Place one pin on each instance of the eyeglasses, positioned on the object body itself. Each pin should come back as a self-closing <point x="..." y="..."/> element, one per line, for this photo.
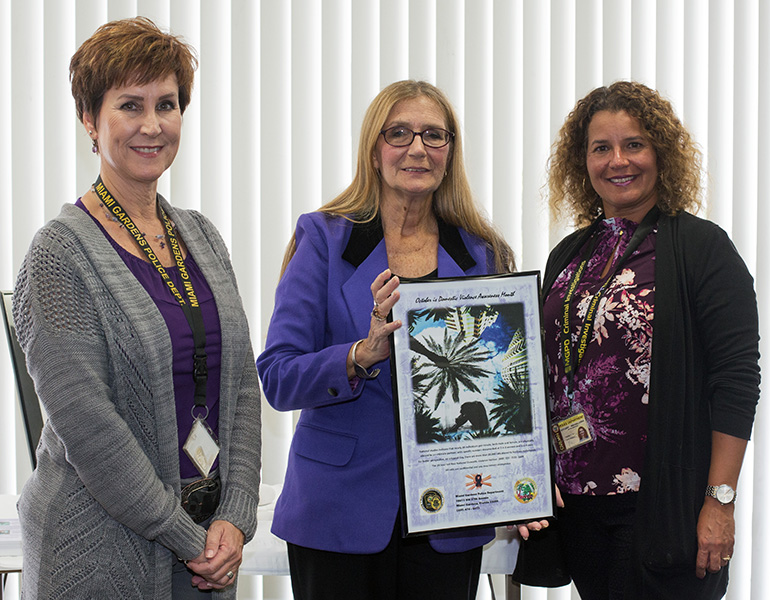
<point x="400" y="136"/>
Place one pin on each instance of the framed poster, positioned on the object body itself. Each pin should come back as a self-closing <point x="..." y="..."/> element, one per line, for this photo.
<point x="468" y="372"/>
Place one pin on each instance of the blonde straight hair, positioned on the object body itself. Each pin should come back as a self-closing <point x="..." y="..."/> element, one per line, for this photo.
<point x="453" y="201"/>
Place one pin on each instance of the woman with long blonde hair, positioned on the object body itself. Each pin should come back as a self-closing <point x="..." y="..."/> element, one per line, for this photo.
<point x="408" y="213"/>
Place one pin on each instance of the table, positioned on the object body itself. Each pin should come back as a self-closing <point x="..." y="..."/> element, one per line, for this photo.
<point x="10" y="558"/>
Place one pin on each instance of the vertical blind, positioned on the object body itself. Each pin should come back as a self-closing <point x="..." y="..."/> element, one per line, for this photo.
<point x="272" y="132"/>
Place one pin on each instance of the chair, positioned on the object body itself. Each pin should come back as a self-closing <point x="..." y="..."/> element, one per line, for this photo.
<point x="30" y="405"/>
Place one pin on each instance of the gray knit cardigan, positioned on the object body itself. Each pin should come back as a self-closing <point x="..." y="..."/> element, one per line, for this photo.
<point x="101" y="515"/>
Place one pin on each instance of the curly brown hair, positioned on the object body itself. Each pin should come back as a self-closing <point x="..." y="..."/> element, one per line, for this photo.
<point x="129" y="51"/>
<point x="678" y="158"/>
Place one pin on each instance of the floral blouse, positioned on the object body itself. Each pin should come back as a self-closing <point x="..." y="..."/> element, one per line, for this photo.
<point x="611" y="382"/>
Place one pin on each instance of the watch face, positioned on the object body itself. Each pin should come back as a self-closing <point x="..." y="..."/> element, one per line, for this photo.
<point x="725" y="494"/>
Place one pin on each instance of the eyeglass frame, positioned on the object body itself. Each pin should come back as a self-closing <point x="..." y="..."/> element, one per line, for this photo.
<point x="418" y="133"/>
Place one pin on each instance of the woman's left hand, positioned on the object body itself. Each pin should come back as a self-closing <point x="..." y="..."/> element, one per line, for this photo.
<point x="525" y="528"/>
<point x="716" y="523"/>
<point x="716" y="537"/>
<point x="216" y="567"/>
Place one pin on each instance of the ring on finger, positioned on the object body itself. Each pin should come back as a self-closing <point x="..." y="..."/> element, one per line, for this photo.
<point x="376" y="314"/>
<point x="726" y="558"/>
<point x="230" y="574"/>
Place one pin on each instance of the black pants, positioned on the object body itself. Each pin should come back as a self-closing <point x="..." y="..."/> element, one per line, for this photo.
<point x="596" y="534"/>
<point x="407" y="569"/>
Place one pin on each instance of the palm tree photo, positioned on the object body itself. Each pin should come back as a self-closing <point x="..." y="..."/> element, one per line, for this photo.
<point x="512" y="412"/>
<point x="453" y="363"/>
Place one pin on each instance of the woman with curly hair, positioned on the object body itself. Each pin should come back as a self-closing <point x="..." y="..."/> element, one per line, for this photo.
<point x="652" y="342"/>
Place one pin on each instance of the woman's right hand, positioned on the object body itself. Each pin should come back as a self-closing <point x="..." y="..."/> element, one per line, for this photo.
<point x="376" y="347"/>
<point x="525" y="528"/>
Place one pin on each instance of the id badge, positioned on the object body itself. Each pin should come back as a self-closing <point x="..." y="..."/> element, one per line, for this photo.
<point x="570" y="433"/>
<point x="201" y="446"/>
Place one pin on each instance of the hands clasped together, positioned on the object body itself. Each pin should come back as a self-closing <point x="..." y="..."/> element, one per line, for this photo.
<point x="217" y="565"/>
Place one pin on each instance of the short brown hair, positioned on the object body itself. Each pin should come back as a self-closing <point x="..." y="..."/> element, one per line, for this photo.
<point x="129" y="51"/>
<point x="678" y="158"/>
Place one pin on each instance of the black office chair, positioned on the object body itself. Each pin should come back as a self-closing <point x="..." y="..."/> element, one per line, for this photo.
<point x="30" y="405"/>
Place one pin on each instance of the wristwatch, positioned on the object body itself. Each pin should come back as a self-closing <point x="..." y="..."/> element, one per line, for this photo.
<point x="723" y="493"/>
<point x="361" y="372"/>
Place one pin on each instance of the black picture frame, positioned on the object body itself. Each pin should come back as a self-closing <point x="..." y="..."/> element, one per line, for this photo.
<point x="469" y="388"/>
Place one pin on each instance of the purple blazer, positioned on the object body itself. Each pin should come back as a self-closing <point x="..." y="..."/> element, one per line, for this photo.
<point x="341" y="491"/>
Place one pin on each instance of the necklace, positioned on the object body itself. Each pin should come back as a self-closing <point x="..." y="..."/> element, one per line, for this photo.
<point x="159" y="239"/>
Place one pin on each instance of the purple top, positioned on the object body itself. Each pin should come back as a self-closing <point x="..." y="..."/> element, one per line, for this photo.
<point x="181" y="340"/>
<point x="612" y="381"/>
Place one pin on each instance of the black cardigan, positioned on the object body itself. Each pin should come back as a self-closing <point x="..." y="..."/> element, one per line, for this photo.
<point x="704" y="377"/>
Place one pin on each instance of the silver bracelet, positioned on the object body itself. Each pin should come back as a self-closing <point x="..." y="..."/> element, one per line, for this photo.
<point x="361" y="372"/>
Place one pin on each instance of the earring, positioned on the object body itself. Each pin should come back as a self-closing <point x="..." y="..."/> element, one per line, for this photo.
<point x="94" y="143"/>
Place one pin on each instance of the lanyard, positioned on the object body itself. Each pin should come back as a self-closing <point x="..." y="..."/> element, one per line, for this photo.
<point x="190" y="305"/>
<point x="572" y="357"/>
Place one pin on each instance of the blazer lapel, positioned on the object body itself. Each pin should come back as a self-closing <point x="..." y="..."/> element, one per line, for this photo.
<point x="447" y="267"/>
<point x="366" y="252"/>
<point x="356" y="290"/>
<point x="357" y="295"/>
